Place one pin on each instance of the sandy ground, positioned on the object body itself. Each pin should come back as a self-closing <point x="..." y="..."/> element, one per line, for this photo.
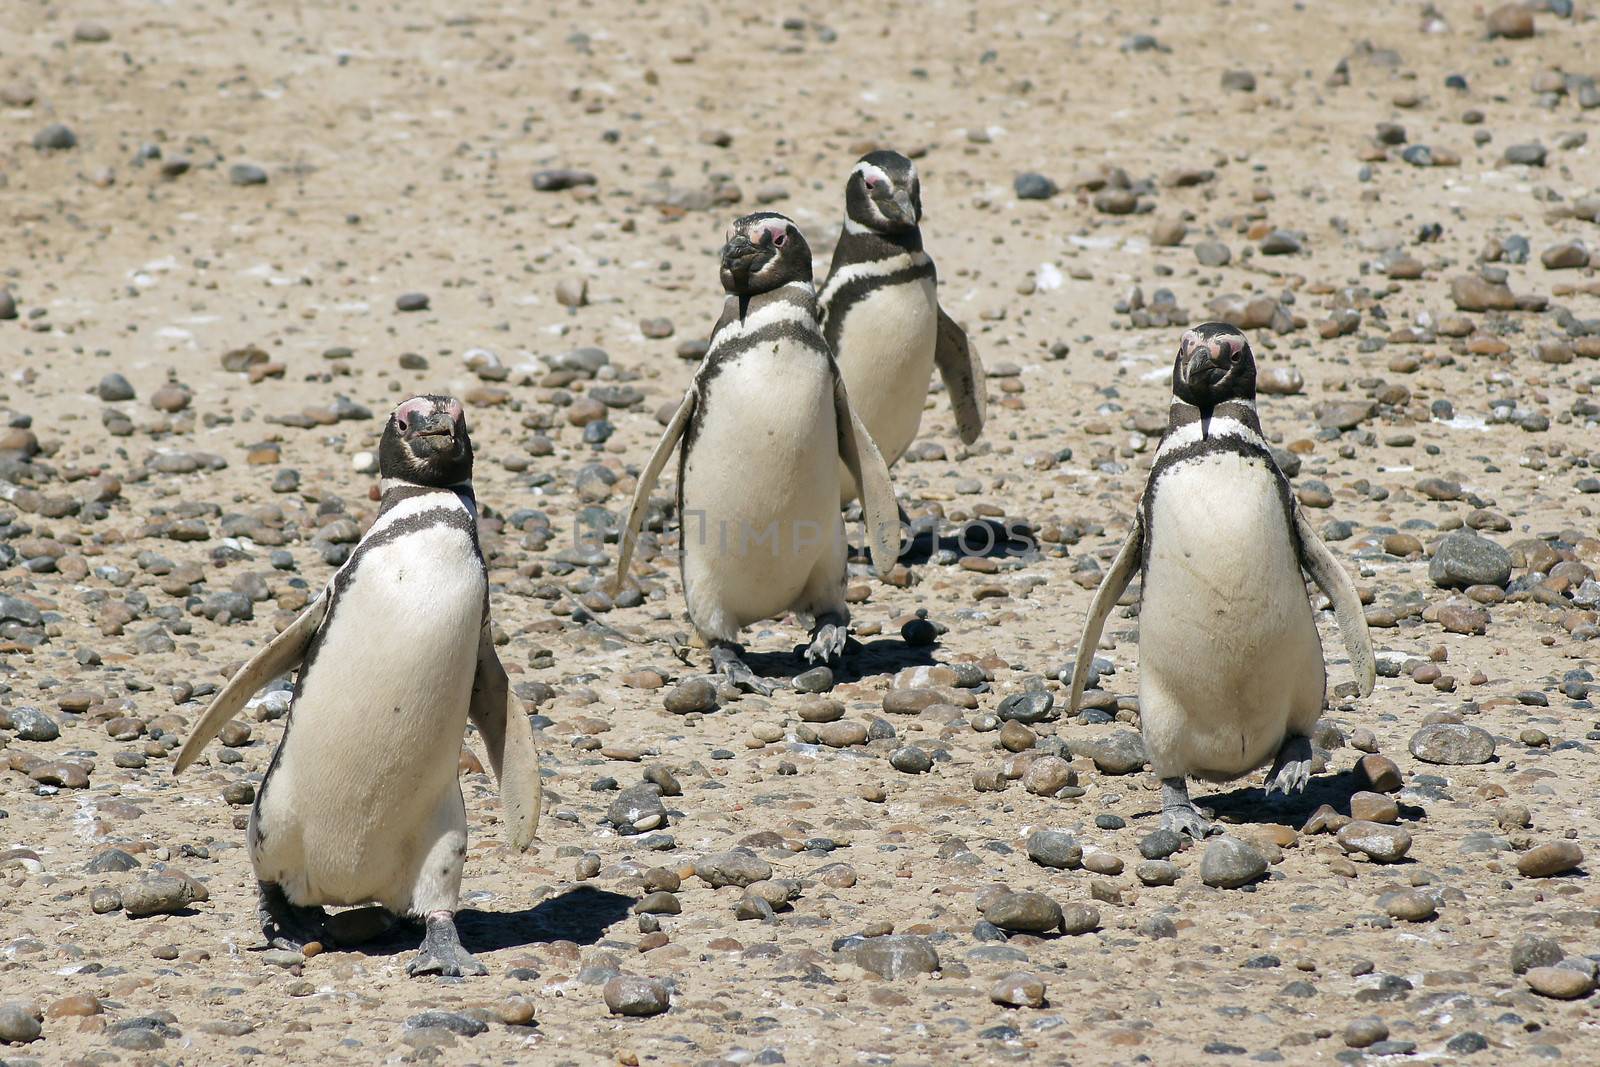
<point x="399" y="143"/>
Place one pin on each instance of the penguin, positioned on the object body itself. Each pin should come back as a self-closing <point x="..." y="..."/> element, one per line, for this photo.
<point x="764" y="428"/>
<point x="1231" y="670"/>
<point x="361" y="802"/>
<point x="881" y="315"/>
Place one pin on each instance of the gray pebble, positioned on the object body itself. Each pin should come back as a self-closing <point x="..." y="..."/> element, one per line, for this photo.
<point x="632" y="995"/>
<point x="1452" y="744"/>
<point x="114" y="387"/>
<point x="1229" y="863"/>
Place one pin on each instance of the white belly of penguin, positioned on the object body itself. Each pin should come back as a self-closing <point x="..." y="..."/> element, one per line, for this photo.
<point x="886" y="346"/>
<point x="1229" y="655"/>
<point x="374" y="737"/>
<point x="760" y="487"/>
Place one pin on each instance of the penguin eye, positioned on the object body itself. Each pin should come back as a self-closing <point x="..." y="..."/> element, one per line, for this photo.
<point x="872" y="183"/>
<point x="400" y="422"/>
<point x="779" y="238"/>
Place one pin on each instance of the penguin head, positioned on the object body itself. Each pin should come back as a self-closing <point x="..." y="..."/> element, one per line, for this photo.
<point x="884" y="193"/>
<point x="764" y="251"/>
<point x="1214" y="364"/>
<point x="426" y="443"/>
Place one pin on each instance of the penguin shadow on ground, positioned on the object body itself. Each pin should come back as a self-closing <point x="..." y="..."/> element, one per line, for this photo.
<point x="984" y="538"/>
<point x="1250" y="804"/>
<point x="879" y="656"/>
<point x="581" y="915"/>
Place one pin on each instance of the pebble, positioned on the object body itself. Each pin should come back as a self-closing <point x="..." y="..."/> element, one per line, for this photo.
<point x="1511" y="21"/>
<point x="1055" y="849"/>
<point x="160" y="894"/>
<point x="1464" y="558"/>
<point x="29" y="724"/>
<point x="1380" y="843"/>
<point x="693" y="695"/>
<point x="1533" y="950"/>
<point x="1048" y="775"/>
<point x="1031" y="913"/>
<point x="1362" y="1033"/>
<point x="55" y="138"/>
<point x="739" y="868"/>
<point x="894" y="957"/>
<point x="1121" y="752"/>
<point x="1560" y="983"/>
<point x="1452" y="744"/>
<point x="1028" y="707"/>
<point x="114" y="387"/>
<point x="1019" y="989"/>
<point x="842" y="734"/>
<point x="632" y="995"/>
<point x="411" y="302"/>
<point x="455" y="1022"/>
<point x="1032" y="186"/>
<point x="1568" y="255"/>
<point x="557" y="179"/>
<point x="1212" y="254"/>
<point x="1470" y="292"/>
<point x="1550" y="859"/>
<point x="1374" y="807"/>
<point x="19" y="1024"/>
<point x="1230" y="862"/>
<point x="910" y="759"/>
<point x="1409" y="905"/>
<point x="246" y="174"/>
<point x="1381" y="773"/>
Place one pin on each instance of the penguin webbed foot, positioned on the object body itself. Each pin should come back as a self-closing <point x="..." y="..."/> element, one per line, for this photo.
<point x="1291" y="771"/>
<point x="828" y="639"/>
<point x="442" y="952"/>
<point x="286" y="925"/>
<point x="1179" y="813"/>
<point x="725" y="659"/>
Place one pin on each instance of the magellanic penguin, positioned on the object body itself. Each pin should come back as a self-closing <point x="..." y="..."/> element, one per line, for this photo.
<point x="764" y="427"/>
<point x="881" y="315"/>
<point x="361" y="801"/>
<point x="1231" y="672"/>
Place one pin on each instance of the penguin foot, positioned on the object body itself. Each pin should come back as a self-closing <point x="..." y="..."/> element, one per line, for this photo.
<point x="442" y="952"/>
<point x="1291" y="771"/>
<point x="827" y="641"/>
<point x="1179" y="813"/>
<point x="725" y="658"/>
<point x="287" y="925"/>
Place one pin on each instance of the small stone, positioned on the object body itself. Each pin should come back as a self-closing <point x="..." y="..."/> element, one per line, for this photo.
<point x="1019" y="989"/>
<point x="1381" y="844"/>
<point x="1452" y="744"/>
<point x="1568" y="255"/>
<point x="1055" y="849"/>
<point x="1230" y="862"/>
<point x="911" y="759"/>
<point x="1464" y="559"/>
<point x="1159" y="844"/>
<point x="1525" y="155"/>
<point x="1409" y="906"/>
<point x="1239" y="81"/>
<point x="631" y="995"/>
<point x="455" y="1022"/>
<point x="1381" y="773"/>
<point x="411" y="302"/>
<point x="693" y="695"/>
<point x="1374" y="807"/>
<point x="1048" y="775"/>
<point x="1560" y="983"/>
<point x="1473" y="293"/>
<point x="19" y="1024"/>
<point x="114" y="388"/>
<point x="1032" y="186"/>
<point x="1532" y="950"/>
<point x="55" y="138"/>
<point x="895" y="956"/>
<point x="1511" y="21"/>
<point x="842" y="734"/>
<point x="29" y="724"/>
<point x="1079" y="919"/>
<point x="1032" y="913"/>
<point x="1121" y="752"/>
<point x="160" y="894"/>
<point x="1362" y="1033"/>
<point x="572" y="292"/>
<point x="1212" y="254"/>
<point x="555" y="180"/>
<point x="246" y="174"/>
<point x="1549" y="859"/>
<point x="737" y="868"/>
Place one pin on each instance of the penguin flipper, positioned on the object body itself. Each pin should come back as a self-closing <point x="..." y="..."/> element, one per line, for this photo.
<point x="860" y="455"/>
<point x="1334" y="580"/>
<point x="647" y="483"/>
<point x="508" y="738"/>
<point x="963" y="376"/>
<point x="1105" y="598"/>
<point x="283" y="653"/>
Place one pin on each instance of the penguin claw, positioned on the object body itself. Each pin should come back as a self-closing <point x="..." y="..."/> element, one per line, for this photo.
<point x="286" y="925"/>
<point x="442" y="952"/>
<point x="727" y="663"/>
<point x="457" y="964"/>
<point x="1291" y="771"/>
<point x="827" y="643"/>
<point x="1188" y="821"/>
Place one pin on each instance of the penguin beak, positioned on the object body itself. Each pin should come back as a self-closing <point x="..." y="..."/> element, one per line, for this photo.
<point x="739" y="260"/>
<point x="438" y="424"/>
<point x="906" y="214"/>
<point x="1202" y="370"/>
